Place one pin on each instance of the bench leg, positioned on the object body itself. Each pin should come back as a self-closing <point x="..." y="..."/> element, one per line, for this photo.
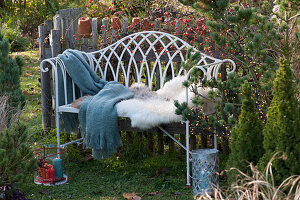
<point x="58" y="133"/>
<point x="187" y="134"/>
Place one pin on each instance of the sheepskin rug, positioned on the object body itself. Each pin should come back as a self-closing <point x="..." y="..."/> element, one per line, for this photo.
<point x="149" y="109"/>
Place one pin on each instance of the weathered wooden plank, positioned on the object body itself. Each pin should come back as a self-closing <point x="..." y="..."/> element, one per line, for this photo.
<point x="75" y="14"/>
<point x="84" y="45"/>
<point x="125" y="26"/>
<point x="104" y="34"/>
<point x="48" y="53"/>
<point x="64" y="13"/>
<point x="114" y="35"/>
<point x="49" y="25"/>
<point x="156" y="24"/>
<point x="70" y="33"/>
<point x="125" y="125"/>
<point x="41" y="30"/>
<point x="173" y="128"/>
<point x="45" y="83"/>
<point x="55" y="42"/>
<point x="64" y="37"/>
<point x="57" y="22"/>
<point x="95" y="33"/>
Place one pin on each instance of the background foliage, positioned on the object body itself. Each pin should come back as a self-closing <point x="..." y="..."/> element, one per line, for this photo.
<point x="10" y="71"/>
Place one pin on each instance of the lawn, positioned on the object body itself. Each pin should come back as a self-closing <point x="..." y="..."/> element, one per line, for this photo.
<point x="133" y="170"/>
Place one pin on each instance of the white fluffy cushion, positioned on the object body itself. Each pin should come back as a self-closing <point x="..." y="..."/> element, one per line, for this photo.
<point x="157" y="109"/>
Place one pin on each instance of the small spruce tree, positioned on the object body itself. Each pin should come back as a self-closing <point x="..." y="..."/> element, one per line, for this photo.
<point x="246" y="137"/>
<point x="10" y="71"/>
<point x="282" y="131"/>
<point x="17" y="163"/>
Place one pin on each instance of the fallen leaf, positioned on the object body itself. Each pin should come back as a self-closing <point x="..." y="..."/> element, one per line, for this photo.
<point x="26" y="93"/>
<point x="153" y="193"/>
<point x="45" y="191"/>
<point x="131" y="196"/>
<point x="177" y="193"/>
<point x="136" y="198"/>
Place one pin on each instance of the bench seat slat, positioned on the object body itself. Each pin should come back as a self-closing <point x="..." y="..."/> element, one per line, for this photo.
<point x="125" y="123"/>
<point x="173" y="128"/>
<point x="68" y="108"/>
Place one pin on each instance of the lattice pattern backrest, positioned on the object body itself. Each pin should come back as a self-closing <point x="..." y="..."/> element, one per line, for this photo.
<point x="154" y="56"/>
<point x="150" y="56"/>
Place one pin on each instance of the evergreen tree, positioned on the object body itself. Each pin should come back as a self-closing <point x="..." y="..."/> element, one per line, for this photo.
<point x="282" y="131"/>
<point x="246" y="136"/>
<point x="10" y="71"/>
<point x="255" y="35"/>
<point x="16" y="157"/>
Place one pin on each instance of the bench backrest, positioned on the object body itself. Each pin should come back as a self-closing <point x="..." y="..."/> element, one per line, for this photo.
<point x="150" y="56"/>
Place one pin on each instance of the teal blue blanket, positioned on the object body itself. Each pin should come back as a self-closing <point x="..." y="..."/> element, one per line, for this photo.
<point x="98" y="119"/>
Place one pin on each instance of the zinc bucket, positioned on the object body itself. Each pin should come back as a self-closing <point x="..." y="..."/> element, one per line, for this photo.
<point x="205" y="165"/>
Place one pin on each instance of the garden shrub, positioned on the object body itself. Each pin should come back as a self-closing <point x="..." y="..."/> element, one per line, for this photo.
<point x="16" y="40"/>
<point x="10" y="71"/>
<point x="17" y="162"/>
<point x="246" y="136"/>
<point x="282" y="131"/>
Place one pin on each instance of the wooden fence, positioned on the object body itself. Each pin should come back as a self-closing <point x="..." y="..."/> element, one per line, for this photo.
<point x="61" y="33"/>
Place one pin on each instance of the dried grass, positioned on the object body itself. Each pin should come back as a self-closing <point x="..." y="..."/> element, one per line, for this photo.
<point x="7" y="114"/>
<point x="3" y="112"/>
<point x="258" y="186"/>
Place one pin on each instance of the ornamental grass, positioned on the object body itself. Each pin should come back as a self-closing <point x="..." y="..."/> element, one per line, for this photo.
<point x="258" y="186"/>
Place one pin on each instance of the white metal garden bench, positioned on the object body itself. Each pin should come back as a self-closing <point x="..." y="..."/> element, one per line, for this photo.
<point x="152" y="55"/>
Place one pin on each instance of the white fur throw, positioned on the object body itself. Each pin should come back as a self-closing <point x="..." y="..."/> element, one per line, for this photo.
<point x="148" y="109"/>
<point x="158" y="108"/>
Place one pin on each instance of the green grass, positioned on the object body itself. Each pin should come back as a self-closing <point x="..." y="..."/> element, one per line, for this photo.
<point x="110" y="178"/>
<point x="31" y="87"/>
<point x="103" y="179"/>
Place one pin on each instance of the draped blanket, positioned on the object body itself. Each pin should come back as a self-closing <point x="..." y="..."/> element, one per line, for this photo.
<point x="97" y="115"/>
